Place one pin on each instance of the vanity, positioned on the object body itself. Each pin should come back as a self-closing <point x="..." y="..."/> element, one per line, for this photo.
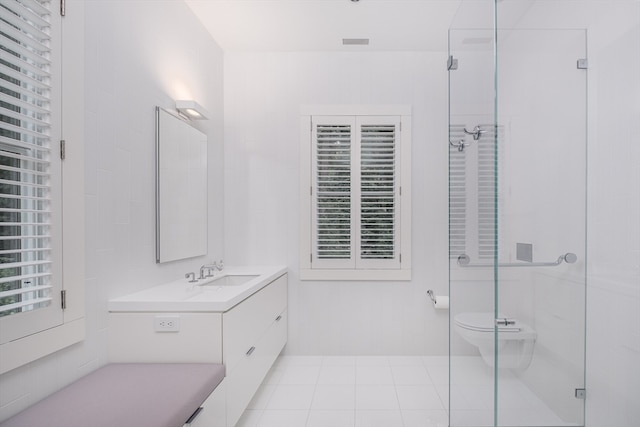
<point x="237" y="318"/>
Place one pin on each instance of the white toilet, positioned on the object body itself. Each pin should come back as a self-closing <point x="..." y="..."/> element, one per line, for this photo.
<point x="515" y="341"/>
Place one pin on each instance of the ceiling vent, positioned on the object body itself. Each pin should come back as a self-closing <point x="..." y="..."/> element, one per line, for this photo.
<point x="355" y="42"/>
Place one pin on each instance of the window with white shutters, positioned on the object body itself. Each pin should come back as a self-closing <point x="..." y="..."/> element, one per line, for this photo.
<point x="30" y="247"/>
<point x="355" y="202"/>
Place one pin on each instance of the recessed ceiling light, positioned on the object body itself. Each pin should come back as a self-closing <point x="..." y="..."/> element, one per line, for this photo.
<point x="355" y="42"/>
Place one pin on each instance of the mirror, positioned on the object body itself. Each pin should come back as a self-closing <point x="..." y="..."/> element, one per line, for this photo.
<point x="181" y="188"/>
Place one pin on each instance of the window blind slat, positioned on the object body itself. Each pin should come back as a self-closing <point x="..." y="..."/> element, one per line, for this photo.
<point x="333" y="181"/>
<point x="378" y="187"/>
<point x="25" y="176"/>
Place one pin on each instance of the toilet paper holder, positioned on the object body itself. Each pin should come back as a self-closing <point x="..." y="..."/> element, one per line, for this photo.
<point x="440" y="302"/>
<point x="431" y="295"/>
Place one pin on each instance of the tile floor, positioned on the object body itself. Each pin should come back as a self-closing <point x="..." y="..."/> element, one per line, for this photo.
<point x="385" y="391"/>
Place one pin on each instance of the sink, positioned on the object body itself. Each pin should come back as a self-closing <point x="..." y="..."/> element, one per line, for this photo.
<point x="230" y="280"/>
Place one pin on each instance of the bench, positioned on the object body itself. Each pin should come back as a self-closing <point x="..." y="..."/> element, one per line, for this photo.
<point x="127" y="395"/>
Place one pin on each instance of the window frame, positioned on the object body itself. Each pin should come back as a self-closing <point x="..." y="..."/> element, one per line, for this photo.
<point x="68" y="124"/>
<point x="368" y="270"/>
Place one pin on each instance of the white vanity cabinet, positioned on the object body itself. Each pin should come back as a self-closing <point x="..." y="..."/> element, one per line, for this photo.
<point x="245" y="336"/>
<point x="253" y="334"/>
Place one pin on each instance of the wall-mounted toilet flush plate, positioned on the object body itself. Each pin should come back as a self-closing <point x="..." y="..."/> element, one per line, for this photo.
<point x="524" y="252"/>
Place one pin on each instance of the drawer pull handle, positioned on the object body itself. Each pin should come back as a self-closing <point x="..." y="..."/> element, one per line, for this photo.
<point x="278" y="318"/>
<point x="251" y="350"/>
<point x="193" y="416"/>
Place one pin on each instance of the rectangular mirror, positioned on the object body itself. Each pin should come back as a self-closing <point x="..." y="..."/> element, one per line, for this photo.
<point x="181" y="189"/>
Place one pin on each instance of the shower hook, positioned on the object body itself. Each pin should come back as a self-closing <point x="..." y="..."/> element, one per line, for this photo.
<point x="476" y="132"/>
<point x="459" y="145"/>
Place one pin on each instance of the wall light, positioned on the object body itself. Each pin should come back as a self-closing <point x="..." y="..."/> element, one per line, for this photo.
<point x="191" y="110"/>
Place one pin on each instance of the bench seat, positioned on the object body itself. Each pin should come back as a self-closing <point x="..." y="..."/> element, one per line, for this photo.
<point x="126" y="395"/>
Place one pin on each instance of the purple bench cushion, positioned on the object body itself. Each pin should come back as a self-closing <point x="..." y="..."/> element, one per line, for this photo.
<point x="123" y="395"/>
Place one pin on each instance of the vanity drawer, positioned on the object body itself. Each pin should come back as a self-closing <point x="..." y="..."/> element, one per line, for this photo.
<point x="244" y="381"/>
<point x="245" y="324"/>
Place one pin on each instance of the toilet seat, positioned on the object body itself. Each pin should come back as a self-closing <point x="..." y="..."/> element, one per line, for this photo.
<point x="483" y="322"/>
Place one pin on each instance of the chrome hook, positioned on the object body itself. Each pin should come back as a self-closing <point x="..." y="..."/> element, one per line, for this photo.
<point x="459" y="145"/>
<point x="476" y="132"/>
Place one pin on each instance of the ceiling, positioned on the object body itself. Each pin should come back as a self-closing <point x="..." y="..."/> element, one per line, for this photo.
<point x="320" y="25"/>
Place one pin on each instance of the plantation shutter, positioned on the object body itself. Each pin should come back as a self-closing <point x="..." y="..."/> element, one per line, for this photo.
<point x="333" y="202"/>
<point x="457" y="194"/>
<point x="29" y="171"/>
<point x="379" y="192"/>
<point x="355" y="192"/>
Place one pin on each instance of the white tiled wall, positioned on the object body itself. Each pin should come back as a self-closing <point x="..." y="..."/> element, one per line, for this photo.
<point x="137" y="55"/>
<point x="613" y="242"/>
<point x="263" y="95"/>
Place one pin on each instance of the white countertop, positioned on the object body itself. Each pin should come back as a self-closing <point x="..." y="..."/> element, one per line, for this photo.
<point x="204" y="296"/>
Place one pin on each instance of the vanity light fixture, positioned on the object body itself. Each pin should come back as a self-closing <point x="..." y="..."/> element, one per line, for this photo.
<point x="191" y="110"/>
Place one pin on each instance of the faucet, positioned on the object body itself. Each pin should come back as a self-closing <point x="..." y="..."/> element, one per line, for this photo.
<point x="211" y="267"/>
<point x="193" y="277"/>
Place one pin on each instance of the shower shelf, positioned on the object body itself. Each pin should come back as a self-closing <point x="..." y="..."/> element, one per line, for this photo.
<point x="464" y="261"/>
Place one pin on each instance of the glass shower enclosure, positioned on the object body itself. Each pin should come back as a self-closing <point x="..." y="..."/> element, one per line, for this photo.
<point x="517" y="217"/>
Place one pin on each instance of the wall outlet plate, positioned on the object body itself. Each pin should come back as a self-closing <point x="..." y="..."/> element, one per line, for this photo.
<point x="166" y="323"/>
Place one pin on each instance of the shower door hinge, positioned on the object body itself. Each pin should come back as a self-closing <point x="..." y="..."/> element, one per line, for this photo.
<point x="63" y="149"/>
<point x="63" y="299"/>
<point x="452" y="63"/>
<point x="583" y="64"/>
<point x="63" y="8"/>
<point x="581" y="393"/>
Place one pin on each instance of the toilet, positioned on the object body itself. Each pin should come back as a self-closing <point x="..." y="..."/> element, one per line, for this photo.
<point x="515" y="342"/>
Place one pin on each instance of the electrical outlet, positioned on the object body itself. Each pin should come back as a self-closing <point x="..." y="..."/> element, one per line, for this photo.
<point x="166" y="323"/>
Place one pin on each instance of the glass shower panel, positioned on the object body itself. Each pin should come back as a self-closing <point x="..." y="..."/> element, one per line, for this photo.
<point x="471" y="213"/>
<point x="517" y="216"/>
<point x="541" y="218"/>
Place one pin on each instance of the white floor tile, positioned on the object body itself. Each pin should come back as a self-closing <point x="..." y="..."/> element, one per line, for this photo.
<point x="339" y="361"/>
<point x="249" y="418"/>
<point x="334" y="397"/>
<point x="381" y="397"/>
<point x="372" y="361"/>
<point x="405" y="361"/>
<point x="393" y="391"/>
<point x="378" y="418"/>
<point x="410" y="375"/>
<point x="300" y="375"/>
<point x="337" y="375"/>
<point x="421" y="418"/>
<point x="331" y="418"/>
<point x="419" y="397"/>
<point x="262" y="396"/>
<point x="291" y="397"/>
<point x="283" y="418"/>
<point x="374" y="375"/>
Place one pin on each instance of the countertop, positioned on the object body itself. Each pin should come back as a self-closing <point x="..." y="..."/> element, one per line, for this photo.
<point x="204" y="296"/>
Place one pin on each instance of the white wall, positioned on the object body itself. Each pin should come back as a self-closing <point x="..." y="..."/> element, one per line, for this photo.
<point x="263" y="95"/>
<point x="137" y="56"/>
<point x="613" y="235"/>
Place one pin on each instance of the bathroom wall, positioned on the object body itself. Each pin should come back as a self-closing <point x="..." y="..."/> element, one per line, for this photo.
<point x="137" y="55"/>
<point x="263" y="95"/>
<point x="613" y="242"/>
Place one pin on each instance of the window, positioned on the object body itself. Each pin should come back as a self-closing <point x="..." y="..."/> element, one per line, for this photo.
<point x="356" y="191"/>
<point x="472" y="192"/>
<point x="33" y="321"/>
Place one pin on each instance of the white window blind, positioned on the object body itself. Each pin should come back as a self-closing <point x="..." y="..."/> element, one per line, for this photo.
<point x="457" y="194"/>
<point x="475" y="204"/>
<point x="27" y="172"/>
<point x="355" y="192"/>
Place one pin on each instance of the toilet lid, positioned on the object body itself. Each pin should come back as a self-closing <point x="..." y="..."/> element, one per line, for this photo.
<point x="483" y="322"/>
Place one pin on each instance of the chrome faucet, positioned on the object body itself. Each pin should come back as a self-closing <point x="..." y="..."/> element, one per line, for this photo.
<point x="211" y="268"/>
<point x="193" y="277"/>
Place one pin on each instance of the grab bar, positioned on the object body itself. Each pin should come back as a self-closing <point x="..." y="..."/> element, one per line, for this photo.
<point x="569" y="258"/>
